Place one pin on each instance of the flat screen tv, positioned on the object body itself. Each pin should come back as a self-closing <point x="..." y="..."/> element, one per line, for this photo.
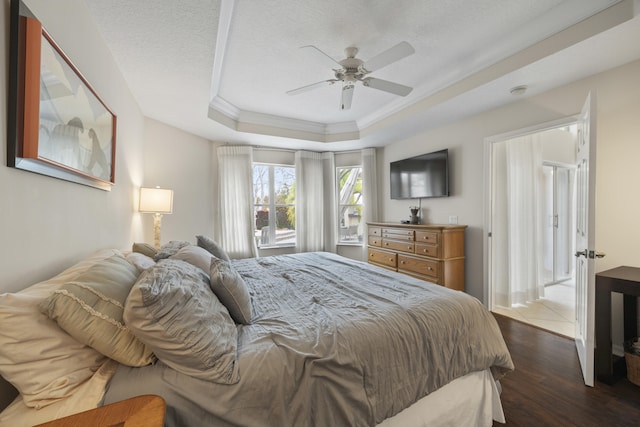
<point x="421" y="176"/>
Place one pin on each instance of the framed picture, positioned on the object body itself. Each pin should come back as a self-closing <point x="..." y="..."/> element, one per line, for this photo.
<point x="58" y="125"/>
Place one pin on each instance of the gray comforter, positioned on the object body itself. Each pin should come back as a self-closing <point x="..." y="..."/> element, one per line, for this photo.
<point x="334" y="342"/>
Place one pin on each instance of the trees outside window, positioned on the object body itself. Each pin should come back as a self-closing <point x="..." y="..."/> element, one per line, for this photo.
<point x="350" y="227"/>
<point x="274" y="204"/>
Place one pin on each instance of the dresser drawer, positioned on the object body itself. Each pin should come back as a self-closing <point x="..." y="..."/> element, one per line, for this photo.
<point x="381" y="257"/>
<point x="375" y="231"/>
<point x="375" y="241"/>
<point x="420" y="266"/>
<point x="427" y="237"/>
<point x="398" y="234"/>
<point x="396" y="245"/>
<point x="427" y="250"/>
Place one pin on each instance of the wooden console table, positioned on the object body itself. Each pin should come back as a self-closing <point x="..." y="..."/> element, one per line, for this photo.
<point x="625" y="280"/>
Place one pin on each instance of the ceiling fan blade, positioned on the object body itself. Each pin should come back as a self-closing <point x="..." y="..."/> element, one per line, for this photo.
<point x="347" y="96"/>
<point x="387" y="86"/>
<point x="322" y="55"/>
<point x="389" y="56"/>
<point x="310" y="87"/>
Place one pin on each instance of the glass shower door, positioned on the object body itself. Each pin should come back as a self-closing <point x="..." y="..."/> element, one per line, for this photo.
<point x="559" y="202"/>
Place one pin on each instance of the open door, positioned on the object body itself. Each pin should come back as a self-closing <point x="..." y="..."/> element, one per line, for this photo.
<point x="585" y="237"/>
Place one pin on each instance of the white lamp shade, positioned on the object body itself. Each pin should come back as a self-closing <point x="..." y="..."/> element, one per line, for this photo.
<point x="156" y="200"/>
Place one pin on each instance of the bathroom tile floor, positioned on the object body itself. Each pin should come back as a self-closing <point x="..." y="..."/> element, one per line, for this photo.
<point x="555" y="312"/>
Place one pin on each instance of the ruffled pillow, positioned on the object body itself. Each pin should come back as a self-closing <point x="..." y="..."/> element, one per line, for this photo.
<point x="172" y="309"/>
<point x="169" y="249"/>
<point x="90" y="309"/>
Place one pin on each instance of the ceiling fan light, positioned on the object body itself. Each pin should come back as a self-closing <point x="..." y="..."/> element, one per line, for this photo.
<point x="354" y="69"/>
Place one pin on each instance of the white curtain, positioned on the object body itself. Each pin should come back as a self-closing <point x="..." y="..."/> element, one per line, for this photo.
<point x="235" y="168"/>
<point x="369" y="190"/>
<point x="329" y="202"/>
<point x="310" y="202"/>
<point x="525" y="215"/>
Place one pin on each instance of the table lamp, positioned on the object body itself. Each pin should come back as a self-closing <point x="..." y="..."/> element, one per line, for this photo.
<point x="157" y="201"/>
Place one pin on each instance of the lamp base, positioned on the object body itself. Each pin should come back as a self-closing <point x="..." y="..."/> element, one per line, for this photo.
<point x="157" y="220"/>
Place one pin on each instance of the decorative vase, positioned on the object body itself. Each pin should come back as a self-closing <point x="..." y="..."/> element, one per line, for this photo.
<point x="415" y="219"/>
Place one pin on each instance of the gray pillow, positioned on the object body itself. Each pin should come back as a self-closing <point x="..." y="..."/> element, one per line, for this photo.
<point x="232" y="290"/>
<point x="213" y="247"/>
<point x="195" y="255"/>
<point x="90" y="309"/>
<point x="145" y="249"/>
<point x="173" y="311"/>
<point x="169" y="249"/>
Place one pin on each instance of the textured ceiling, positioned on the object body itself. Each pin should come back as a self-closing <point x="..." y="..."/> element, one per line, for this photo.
<point x="199" y="63"/>
<point x="263" y="59"/>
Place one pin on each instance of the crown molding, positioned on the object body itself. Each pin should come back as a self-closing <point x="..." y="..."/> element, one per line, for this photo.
<point x="231" y="116"/>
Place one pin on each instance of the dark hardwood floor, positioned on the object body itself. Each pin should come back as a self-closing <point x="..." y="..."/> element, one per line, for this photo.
<point x="546" y="388"/>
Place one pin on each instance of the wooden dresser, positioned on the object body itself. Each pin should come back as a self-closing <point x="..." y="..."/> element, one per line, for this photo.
<point x="429" y="252"/>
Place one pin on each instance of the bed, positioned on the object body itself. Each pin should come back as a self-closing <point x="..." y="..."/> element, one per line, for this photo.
<point x="310" y="339"/>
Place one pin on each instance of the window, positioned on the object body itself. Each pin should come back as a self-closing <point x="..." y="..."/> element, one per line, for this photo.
<point x="274" y="204"/>
<point x="350" y="205"/>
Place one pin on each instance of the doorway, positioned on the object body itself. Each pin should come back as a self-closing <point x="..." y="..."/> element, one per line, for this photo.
<point x="532" y="227"/>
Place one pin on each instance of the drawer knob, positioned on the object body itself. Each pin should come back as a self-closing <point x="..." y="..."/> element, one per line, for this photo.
<point x="386" y="243"/>
<point x="424" y="250"/>
<point x="429" y="268"/>
<point x="408" y="246"/>
<point x="390" y="259"/>
<point x="401" y="262"/>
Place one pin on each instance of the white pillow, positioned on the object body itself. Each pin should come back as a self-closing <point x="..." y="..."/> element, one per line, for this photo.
<point x="42" y="361"/>
<point x="195" y="255"/>
<point x="87" y="396"/>
<point x="141" y="261"/>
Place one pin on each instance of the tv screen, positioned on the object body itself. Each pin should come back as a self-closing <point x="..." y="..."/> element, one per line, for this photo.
<point x="421" y="176"/>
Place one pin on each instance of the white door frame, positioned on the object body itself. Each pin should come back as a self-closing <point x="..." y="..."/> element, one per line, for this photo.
<point x="487" y="184"/>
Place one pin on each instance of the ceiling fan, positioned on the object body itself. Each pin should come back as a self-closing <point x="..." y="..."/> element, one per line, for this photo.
<point x="354" y="70"/>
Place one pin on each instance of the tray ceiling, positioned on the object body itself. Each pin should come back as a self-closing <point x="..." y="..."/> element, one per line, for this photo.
<point x="220" y="69"/>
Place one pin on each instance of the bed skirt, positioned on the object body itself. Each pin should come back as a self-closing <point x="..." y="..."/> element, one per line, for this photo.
<point x="471" y="400"/>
